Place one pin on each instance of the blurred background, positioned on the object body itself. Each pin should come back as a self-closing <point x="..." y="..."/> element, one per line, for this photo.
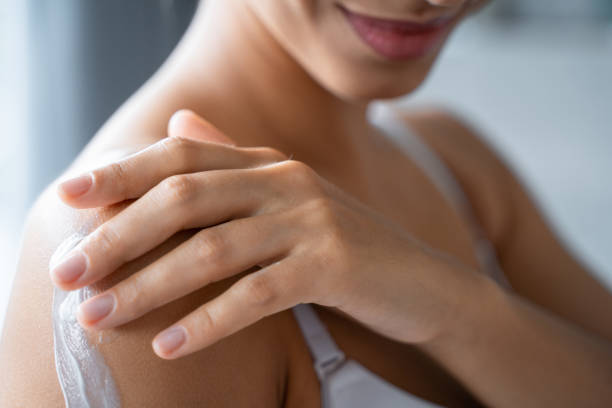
<point x="534" y="77"/>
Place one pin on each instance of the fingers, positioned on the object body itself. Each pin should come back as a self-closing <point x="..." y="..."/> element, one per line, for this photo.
<point x="257" y="295"/>
<point x="185" y="123"/>
<point x="134" y="175"/>
<point x="178" y="203"/>
<point x="212" y="254"/>
<point x="182" y="202"/>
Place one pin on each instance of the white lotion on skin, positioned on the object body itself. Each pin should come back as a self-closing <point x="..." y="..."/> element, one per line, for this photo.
<point x="84" y="377"/>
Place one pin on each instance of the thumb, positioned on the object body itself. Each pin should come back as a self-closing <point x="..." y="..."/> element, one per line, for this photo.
<point x="185" y="123"/>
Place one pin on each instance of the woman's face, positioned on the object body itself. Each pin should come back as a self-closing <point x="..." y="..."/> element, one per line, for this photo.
<point x="363" y="49"/>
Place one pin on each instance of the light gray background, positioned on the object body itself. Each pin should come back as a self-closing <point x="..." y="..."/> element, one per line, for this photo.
<point x="537" y="83"/>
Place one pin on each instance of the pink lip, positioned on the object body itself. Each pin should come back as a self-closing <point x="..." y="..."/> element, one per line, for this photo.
<point x="395" y="39"/>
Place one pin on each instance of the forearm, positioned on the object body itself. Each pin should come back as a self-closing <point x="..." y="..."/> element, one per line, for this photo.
<point x="512" y="353"/>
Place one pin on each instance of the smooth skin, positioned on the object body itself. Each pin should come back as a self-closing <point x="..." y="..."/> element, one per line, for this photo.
<point x="318" y="245"/>
<point x="447" y="333"/>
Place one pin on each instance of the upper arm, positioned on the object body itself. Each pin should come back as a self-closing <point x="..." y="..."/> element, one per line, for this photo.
<point x="245" y="367"/>
<point x="27" y="340"/>
<point x="536" y="262"/>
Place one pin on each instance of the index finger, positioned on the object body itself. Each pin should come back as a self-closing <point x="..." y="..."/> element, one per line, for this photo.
<point x="134" y="175"/>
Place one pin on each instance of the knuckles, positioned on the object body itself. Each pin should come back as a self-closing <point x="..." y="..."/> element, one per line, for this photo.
<point x="299" y="170"/>
<point x="129" y="297"/>
<point x="298" y="174"/>
<point x="267" y="154"/>
<point x="323" y="213"/>
<point x="115" y="173"/>
<point x="200" y="324"/>
<point x="180" y="149"/>
<point x="179" y="188"/>
<point x="104" y="240"/>
<point x="258" y="290"/>
<point x="326" y="217"/>
<point x="178" y="145"/>
<point x="212" y="249"/>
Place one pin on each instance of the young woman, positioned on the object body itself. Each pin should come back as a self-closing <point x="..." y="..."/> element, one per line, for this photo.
<point x="432" y="274"/>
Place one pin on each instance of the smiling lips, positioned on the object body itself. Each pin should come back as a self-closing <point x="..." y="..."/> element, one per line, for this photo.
<point x="396" y="39"/>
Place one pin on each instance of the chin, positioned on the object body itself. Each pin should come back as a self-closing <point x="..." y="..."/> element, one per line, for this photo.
<point x="358" y="74"/>
<point x="357" y="83"/>
<point x="363" y="92"/>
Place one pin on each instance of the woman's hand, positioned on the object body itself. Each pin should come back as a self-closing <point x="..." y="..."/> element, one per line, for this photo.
<point x="255" y="207"/>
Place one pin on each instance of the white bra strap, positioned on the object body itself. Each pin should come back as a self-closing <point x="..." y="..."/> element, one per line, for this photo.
<point x="388" y="120"/>
<point x="323" y="348"/>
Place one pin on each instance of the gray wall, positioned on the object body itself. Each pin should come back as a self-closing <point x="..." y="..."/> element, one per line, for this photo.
<point x="65" y="66"/>
<point x="86" y="58"/>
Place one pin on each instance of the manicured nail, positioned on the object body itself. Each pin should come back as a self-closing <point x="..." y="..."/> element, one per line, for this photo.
<point x="77" y="186"/>
<point x="169" y="340"/>
<point x="71" y="268"/>
<point x="97" y="308"/>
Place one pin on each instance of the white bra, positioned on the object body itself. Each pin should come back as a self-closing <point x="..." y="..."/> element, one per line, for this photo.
<point x="344" y="382"/>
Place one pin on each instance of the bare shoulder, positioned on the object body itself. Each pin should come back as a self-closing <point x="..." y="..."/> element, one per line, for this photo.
<point x="248" y="368"/>
<point x="480" y="170"/>
<point x="537" y="262"/>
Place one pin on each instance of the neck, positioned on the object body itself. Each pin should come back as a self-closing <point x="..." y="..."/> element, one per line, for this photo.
<point x="235" y="74"/>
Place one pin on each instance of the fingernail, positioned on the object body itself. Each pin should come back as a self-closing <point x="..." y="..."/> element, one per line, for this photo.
<point x="71" y="268"/>
<point x="96" y="309"/>
<point x="76" y="186"/>
<point x="169" y="340"/>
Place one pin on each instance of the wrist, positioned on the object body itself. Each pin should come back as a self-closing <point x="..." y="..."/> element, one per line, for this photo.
<point x="481" y="306"/>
